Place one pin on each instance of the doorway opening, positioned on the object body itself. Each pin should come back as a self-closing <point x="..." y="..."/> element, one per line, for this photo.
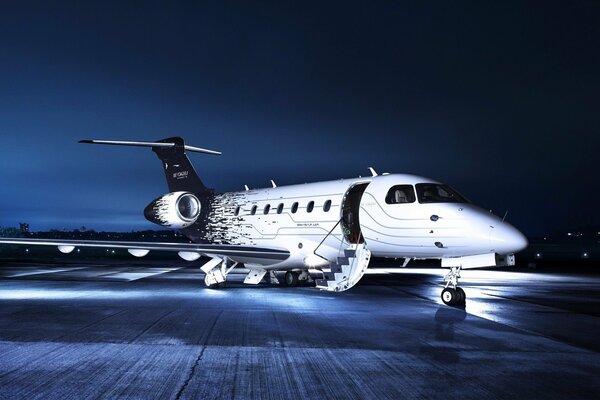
<point x="350" y="211"/>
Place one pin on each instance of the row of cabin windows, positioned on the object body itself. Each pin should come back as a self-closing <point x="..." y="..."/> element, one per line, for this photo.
<point x="309" y="208"/>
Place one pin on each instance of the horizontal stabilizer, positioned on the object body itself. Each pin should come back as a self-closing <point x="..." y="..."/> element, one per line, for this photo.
<point x="150" y="144"/>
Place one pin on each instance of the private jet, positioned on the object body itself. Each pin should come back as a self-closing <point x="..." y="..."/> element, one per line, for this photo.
<point x="328" y="231"/>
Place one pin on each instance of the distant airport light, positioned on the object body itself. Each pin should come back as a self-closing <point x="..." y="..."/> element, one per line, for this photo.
<point x="585" y="255"/>
<point x="538" y="255"/>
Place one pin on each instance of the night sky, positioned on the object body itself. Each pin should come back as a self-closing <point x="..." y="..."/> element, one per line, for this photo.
<point x="498" y="99"/>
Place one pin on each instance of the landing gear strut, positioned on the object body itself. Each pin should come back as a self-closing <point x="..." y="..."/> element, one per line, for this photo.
<point x="216" y="271"/>
<point x="452" y="294"/>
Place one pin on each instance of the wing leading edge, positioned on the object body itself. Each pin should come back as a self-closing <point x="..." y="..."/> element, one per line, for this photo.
<point x="249" y="253"/>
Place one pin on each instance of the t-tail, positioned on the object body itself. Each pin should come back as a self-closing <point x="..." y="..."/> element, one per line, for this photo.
<point x="179" y="171"/>
<point x="182" y="206"/>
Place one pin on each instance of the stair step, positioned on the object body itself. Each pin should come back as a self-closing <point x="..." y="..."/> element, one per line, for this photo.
<point x="335" y="267"/>
<point x="343" y="260"/>
<point x="329" y="276"/>
<point x="345" y="272"/>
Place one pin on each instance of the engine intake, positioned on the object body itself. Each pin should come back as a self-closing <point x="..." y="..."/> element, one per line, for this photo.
<point x="175" y="210"/>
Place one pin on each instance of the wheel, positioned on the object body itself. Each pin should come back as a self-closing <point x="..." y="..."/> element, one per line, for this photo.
<point x="462" y="296"/>
<point x="213" y="285"/>
<point x="449" y="296"/>
<point x="207" y="283"/>
<point x="291" y="278"/>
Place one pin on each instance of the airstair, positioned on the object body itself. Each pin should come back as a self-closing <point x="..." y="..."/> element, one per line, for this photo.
<point x="346" y="270"/>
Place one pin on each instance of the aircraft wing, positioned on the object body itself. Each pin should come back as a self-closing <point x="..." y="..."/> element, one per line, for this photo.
<point x="188" y="251"/>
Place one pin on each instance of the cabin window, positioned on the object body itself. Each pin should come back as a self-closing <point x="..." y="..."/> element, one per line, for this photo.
<point x="310" y="206"/>
<point x="294" y="207"/>
<point x="237" y="211"/>
<point x="280" y="208"/>
<point x="266" y="209"/>
<point x="253" y="210"/>
<point x="327" y="205"/>
<point x="437" y="193"/>
<point x="400" y="194"/>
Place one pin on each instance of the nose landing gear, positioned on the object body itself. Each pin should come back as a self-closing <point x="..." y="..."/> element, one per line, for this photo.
<point x="453" y="295"/>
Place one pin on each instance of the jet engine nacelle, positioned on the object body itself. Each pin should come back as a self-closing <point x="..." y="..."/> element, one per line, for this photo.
<point x="174" y="210"/>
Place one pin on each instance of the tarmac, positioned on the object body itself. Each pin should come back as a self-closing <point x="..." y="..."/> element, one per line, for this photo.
<point x="118" y="330"/>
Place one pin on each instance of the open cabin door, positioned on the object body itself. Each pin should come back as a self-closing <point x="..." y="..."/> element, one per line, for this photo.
<point x="350" y="213"/>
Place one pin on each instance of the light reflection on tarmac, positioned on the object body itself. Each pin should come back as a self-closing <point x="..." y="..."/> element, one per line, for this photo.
<point x="155" y="332"/>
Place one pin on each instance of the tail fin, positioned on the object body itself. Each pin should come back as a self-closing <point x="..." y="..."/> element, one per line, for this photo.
<point x="180" y="174"/>
<point x="179" y="171"/>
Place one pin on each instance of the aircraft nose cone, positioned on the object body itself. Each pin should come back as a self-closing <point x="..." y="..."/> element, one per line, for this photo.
<point x="506" y="239"/>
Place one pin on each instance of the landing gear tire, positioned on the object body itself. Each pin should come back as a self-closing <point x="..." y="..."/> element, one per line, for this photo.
<point x="291" y="278"/>
<point x="462" y="295"/>
<point x="449" y="296"/>
<point x="453" y="297"/>
<point x="213" y="285"/>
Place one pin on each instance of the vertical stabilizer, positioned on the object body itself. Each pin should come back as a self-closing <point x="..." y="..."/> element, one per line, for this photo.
<point x="179" y="171"/>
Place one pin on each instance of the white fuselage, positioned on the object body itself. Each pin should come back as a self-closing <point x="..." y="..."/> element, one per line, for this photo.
<point x="305" y="220"/>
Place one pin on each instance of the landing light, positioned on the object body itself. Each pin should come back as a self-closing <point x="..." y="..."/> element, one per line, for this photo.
<point x="585" y="255"/>
<point x="538" y="255"/>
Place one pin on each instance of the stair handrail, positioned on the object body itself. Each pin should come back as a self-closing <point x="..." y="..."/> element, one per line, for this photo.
<point x="325" y="237"/>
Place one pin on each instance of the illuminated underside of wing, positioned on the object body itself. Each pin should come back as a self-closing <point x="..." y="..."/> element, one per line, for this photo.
<point x="260" y="255"/>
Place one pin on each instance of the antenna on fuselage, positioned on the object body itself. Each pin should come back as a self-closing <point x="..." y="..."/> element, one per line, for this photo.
<point x="273" y="183"/>
<point x="246" y="187"/>
<point x="505" y="214"/>
<point x="373" y="172"/>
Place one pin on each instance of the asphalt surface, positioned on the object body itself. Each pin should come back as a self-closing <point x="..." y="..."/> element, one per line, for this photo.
<point x="143" y="332"/>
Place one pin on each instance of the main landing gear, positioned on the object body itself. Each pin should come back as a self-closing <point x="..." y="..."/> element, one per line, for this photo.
<point x="453" y="295"/>
<point x="294" y="278"/>
<point x="216" y="271"/>
<point x="291" y="278"/>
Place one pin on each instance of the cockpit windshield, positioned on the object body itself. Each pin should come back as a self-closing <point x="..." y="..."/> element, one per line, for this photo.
<point x="436" y="193"/>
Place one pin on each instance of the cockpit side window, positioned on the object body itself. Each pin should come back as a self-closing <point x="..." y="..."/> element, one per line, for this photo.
<point x="436" y="193"/>
<point x="400" y="194"/>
